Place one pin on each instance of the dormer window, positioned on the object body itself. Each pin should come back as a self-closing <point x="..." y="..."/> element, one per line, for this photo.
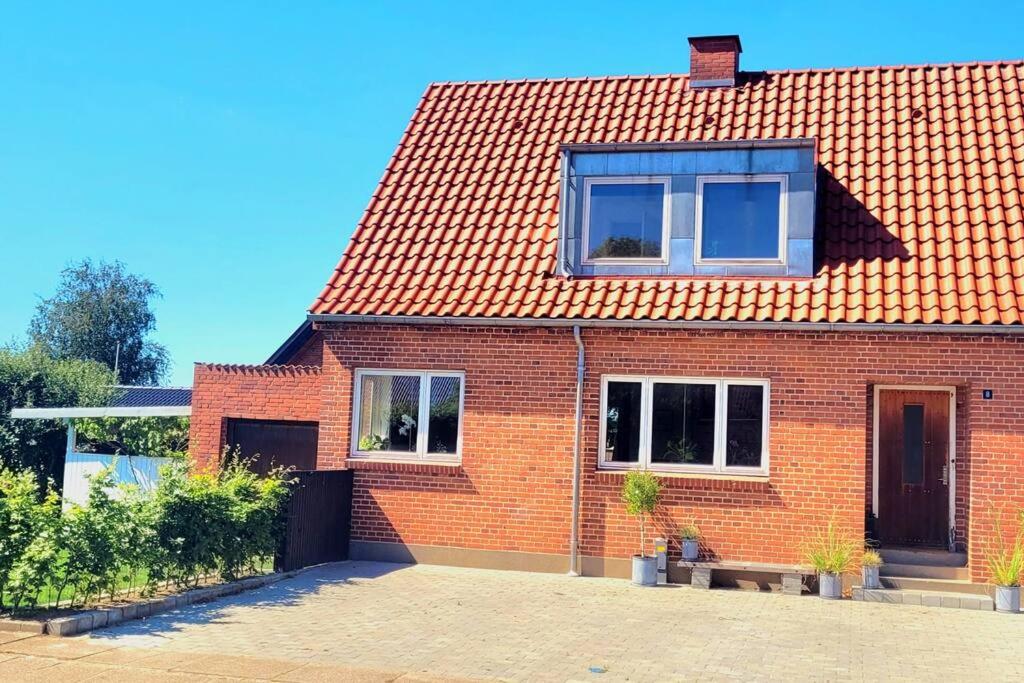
<point x="741" y="219"/>
<point x="626" y="220"/>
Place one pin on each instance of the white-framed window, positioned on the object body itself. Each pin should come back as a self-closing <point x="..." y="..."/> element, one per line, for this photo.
<point x="741" y="219"/>
<point x="408" y="414"/>
<point x="626" y="220"/>
<point x="679" y="424"/>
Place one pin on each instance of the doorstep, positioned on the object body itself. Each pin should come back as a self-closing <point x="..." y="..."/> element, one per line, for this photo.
<point x="924" y="598"/>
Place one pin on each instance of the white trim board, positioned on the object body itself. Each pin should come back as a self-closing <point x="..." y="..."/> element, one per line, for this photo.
<point x="99" y="411"/>
<point x="950" y="451"/>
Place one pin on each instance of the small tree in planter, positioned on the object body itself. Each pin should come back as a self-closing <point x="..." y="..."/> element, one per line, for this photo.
<point x="870" y="562"/>
<point x="640" y="493"/>
<point x="689" y="535"/>
<point x="832" y="553"/>
<point x="1006" y="564"/>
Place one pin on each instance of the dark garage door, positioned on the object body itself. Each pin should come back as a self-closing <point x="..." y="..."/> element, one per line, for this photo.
<point x="273" y="442"/>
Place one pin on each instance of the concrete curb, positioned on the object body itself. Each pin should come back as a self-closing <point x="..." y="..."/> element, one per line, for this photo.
<point x="98" y="618"/>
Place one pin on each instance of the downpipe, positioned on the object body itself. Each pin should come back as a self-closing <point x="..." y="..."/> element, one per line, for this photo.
<point x="574" y="531"/>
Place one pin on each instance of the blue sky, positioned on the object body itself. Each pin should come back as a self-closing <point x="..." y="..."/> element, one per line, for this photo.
<point x="226" y="150"/>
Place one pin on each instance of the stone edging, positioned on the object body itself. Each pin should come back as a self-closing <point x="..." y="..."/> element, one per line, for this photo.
<point x="98" y="618"/>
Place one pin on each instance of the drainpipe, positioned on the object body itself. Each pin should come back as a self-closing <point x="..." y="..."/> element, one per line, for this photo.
<point x="574" y="532"/>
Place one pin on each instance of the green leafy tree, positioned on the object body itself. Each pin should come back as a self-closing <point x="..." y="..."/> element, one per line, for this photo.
<point x="30" y="378"/>
<point x="96" y="308"/>
<point x="640" y="492"/>
<point x="156" y="436"/>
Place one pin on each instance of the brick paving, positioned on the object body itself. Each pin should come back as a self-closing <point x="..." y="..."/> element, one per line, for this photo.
<point x="365" y="621"/>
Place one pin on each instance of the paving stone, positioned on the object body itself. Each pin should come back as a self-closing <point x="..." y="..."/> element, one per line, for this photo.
<point x="359" y="621"/>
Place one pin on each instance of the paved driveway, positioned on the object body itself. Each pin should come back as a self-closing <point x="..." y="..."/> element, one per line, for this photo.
<point x="371" y="621"/>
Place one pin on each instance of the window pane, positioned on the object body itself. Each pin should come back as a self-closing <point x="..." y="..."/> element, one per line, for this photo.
<point x="388" y="410"/>
<point x="740" y="220"/>
<point x="622" y="422"/>
<point x="626" y="220"/>
<point x="443" y="431"/>
<point x="683" y="424"/>
<point x="744" y="428"/>
<point x="913" y="444"/>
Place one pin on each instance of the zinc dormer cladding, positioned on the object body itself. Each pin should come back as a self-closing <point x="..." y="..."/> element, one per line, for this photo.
<point x="686" y="171"/>
<point x="919" y="191"/>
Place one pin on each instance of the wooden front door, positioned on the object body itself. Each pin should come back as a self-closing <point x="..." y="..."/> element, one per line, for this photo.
<point x="265" y="444"/>
<point x="913" y="467"/>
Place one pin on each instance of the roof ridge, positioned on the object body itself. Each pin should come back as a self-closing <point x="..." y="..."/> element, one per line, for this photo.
<point x="684" y="74"/>
<point x="145" y="386"/>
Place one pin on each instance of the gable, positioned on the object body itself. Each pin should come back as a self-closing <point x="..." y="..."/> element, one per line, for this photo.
<point x="919" y="185"/>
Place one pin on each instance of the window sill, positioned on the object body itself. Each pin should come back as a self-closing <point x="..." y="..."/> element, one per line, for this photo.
<point x="687" y="479"/>
<point x="451" y="468"/>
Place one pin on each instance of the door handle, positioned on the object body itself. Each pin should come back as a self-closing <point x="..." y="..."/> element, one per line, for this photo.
<point x="945" y="475"/>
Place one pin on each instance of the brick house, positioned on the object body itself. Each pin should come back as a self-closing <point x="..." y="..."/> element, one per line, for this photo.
<point x="794" y="295"/>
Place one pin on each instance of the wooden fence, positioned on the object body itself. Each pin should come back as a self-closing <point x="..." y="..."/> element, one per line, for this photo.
<point x="318" y="518"/>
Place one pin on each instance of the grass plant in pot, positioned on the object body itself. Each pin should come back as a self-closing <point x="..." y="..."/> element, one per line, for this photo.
<point x="870" y="563"/>
<point x="832" y="553"/>
<point x="640" y="493"/>
<point x="689" y="535"/>
<point x="1006" y="565"/>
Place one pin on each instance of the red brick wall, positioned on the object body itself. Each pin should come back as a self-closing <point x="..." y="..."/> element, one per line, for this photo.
<point x="259" y="392"/>
<point x="513" y="489"/>
<point x="311" y="353"/>
<point x="714" y="59"/>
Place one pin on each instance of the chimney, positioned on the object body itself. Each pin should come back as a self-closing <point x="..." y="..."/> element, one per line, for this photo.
<point x="714" y="61"/>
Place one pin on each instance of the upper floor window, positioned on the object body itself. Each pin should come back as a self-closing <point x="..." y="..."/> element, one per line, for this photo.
<point x="741" y="219"/>
<point x="626" y="219"/>
<point x="408" y="414"/>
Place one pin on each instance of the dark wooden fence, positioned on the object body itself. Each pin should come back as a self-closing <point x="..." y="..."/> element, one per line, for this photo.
<point x="319" y="514"/>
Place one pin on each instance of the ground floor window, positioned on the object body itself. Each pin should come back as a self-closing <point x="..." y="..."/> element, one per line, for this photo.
<point x="684" y="424"/>
<point x="408" y="414"/>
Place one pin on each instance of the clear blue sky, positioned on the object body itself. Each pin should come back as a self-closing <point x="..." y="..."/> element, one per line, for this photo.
<point x="225" y="150"/>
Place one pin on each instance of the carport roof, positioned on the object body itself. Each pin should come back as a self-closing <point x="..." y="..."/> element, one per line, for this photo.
<point x="125" y="401"/>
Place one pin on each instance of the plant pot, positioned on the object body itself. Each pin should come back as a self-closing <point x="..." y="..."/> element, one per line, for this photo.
<point x="830" y="586"/>
<point x="1008" y="599"/>
<point x="645" y="570"/>
<point x="691" y="549"/>
<point x="870" y="577"/>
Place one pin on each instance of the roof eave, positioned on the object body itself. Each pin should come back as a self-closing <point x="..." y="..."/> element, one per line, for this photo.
<point x="958" y="328"/>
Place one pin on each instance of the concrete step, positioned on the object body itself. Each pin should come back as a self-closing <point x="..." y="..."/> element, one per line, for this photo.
<point x="925" y="571"/>
<point x="930" y="557"/>
<point x="933" y="585"/>
<point x="924" y="598"/>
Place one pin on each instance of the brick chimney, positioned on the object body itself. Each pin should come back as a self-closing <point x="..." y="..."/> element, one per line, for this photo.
<point x="714" y="61"/>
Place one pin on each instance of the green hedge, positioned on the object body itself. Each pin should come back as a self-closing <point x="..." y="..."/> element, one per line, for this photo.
<point x="227" y="524"/>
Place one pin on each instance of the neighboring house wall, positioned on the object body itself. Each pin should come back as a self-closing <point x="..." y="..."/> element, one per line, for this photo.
<point x="261" y="392"/>
<point x="512" y="491"/>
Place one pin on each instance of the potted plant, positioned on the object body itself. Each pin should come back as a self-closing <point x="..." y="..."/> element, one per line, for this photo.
<point x="640" y="494"/>
<point x="1006" y="564"/>
<point x="870" y="562"/>
<point x="831" y="553"/>
<point x="689" y="535"/>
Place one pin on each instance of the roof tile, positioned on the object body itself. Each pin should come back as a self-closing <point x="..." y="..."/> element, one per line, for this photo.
<point x="920" y="206"/>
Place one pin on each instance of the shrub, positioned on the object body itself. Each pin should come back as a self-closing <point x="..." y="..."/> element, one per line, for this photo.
<point x="871" y="558"/>
<point x="1006" y="560"/>
<point x="191" y="526"/>
<point x="832" y="550"/>
<point x="640" y="493"/>
<point x="689" y="532"/>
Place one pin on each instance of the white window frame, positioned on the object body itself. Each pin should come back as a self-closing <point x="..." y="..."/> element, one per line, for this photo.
<point x="423" y="419"/>
<point x="698" y="249"/>
<point x="718" y="465"/>
<point x="666" y="219"/>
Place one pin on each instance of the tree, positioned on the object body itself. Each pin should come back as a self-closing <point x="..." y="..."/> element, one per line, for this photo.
<point x="96" y="308"/>
<point x="29" y="378"/>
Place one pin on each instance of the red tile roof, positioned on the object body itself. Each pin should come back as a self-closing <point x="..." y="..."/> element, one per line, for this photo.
<point x="921" y="224"/>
